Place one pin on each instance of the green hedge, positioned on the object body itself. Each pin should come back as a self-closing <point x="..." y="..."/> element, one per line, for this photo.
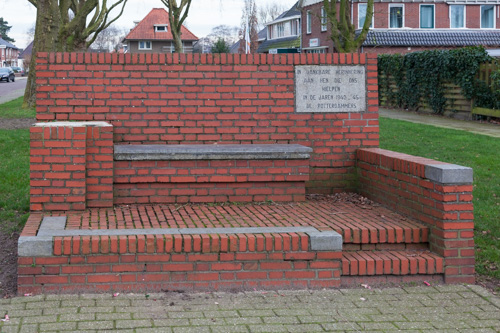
<point x="422" y="75"/>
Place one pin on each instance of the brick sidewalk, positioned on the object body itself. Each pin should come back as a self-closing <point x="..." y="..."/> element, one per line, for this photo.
<point x="417" y="309"/>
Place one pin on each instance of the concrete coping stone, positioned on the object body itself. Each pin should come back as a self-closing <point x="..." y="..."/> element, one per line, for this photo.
<point x="73" y="124"/>
<point x="449" y="173"/>
<point x="42" y="245"/>
<point x="211" y="152"/>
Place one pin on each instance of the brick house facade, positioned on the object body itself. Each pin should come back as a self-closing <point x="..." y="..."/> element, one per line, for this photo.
<point x="406" y="26"/>
<point x="153" y="35"/>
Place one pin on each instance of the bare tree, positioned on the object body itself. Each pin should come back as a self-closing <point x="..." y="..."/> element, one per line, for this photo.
<point x="249" y="21"/>
<point x="177" y="14"/>
<point x="343" y="32"/>
<point x="270" y="12"/>
<point x="65" y="26"/>
<point x="107" y="39"/>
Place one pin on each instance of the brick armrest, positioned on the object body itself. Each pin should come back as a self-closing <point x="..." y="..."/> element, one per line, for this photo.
<point x="211" y="152"/>
<point x="435" y="193"/>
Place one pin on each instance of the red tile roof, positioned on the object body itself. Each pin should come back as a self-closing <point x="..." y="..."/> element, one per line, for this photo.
<point x="145" y="29"/>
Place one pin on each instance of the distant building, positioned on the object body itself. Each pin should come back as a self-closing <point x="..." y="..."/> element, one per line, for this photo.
<point x="283" y="33"/>
<point x="402" y="26"/>
<point x="9" y="53"/>
<point x="153" y="35"/>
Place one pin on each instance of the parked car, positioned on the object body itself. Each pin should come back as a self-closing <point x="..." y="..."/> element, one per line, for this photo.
<point x="18" y="70"/>
<point x="6" y="73"/>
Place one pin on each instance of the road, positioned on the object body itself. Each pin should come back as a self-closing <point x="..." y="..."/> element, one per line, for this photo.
<point x="12" y="90"/>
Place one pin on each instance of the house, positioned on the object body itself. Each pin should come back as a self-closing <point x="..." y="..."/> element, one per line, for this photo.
<point x="8" y="53"/>
<point x="402" y="26"/>
<point x="153" y="35"/>
<point x="283" y="33"/>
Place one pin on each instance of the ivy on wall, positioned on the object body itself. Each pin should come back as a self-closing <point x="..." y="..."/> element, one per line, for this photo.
<point x="421" y="75"/>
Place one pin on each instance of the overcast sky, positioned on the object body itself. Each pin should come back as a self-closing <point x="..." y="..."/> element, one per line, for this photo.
<point x="203" y="15"/>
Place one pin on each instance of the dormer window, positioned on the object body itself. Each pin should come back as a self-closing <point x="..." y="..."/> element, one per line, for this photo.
<point x="160" y="28"/>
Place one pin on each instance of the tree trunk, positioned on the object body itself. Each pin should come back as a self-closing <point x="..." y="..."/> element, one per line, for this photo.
<point x="177" y="42"/>
<point x="47" y="28"/>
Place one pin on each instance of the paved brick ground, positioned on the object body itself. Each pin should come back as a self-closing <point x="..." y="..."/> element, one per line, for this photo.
<point x="410" y="309"/>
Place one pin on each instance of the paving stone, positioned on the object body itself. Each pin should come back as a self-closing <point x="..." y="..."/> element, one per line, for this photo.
<point x="77" y="317"/>
<point x="415" y="325"/>
<point x="67" y="326"/>
<point x="243" y="321"/>
<point x="96" y="325"/>
<point x="479" y="330"/>
<point x="292" y="312"/>
<point x="186" y="315"/>
<point x="153" y="330"/>
<point x="114" y="316"/>
<point x="9" y="329"/>
<point x="191" y="329"/>
<point x="96" y="309"/>
<point x="78" y="303"/>
<point x="28" y="299"/>
<point x="221" y="314"/>
<point x="29" y="329"/>
<point x="280" y="320"/>
<point x="57" y="311"/>
<point x="38" y="319"/>
<point x="387" y="317"/>
<point x="134" y="323"/>
<point x="229" y="329"/>
<point x="113" y="302"/>
<point x="206" y="321"/>
<point x="150" y="315"/>
<point x="256" y="313"/>
<point x="371" y="326"/>
<point x="341" y="327"/>
<point x="267" y="328"/>
<point x="450" y="324"/>
<point x="43" y="305"/>
<point x="24" y="313"/>
<point x="309" y="328"/>
<point x="317" y="319"/>
<point x="170" y="322"/>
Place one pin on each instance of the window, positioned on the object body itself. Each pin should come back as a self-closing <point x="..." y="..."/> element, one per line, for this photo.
<point x="396" y="16"/>
<point x="487" y="17"/>
<point x="362" y="15"/>
<point x="308" y="22"/>
<point x="161" y="27"/>
<point x="281" y="29"/>
<point x="323" y="19"/>
<point x="427" y="16"/>
<point x="295" y="27"/>
<point x="457" y="16"/>
<point x="144" y="45"/>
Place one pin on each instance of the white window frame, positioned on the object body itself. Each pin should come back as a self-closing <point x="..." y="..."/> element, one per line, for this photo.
<point x="481" y="17"/>
<point x="433" y="15"/>
<point x="360" y="26"/>
<point x="308" y="22"/>
<point x="465" y="17"/>
<point x="161" y="26"/>
<point x="324" y="19"/>
<point x="402" y="6"/>
<point x="144" y="47"/>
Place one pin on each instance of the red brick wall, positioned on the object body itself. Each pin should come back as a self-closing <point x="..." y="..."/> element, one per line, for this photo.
<point x="183" y="99"/>
<point x="398" y="181"/>
<point x="210" y="181"/>
<point x="184" y="262"/>
<point x="71" y="167"/>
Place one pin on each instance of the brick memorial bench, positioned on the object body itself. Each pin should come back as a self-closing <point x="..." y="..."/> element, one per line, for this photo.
<point x="210" y="173"/>
<point x="190" y="172"/>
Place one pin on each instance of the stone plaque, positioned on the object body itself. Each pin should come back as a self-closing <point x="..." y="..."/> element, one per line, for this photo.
<point x="330" y="88"/>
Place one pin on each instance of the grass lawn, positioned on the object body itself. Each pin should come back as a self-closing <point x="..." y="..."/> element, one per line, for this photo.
<point x="13" y="109"/>
<point x="479" y="152"/>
